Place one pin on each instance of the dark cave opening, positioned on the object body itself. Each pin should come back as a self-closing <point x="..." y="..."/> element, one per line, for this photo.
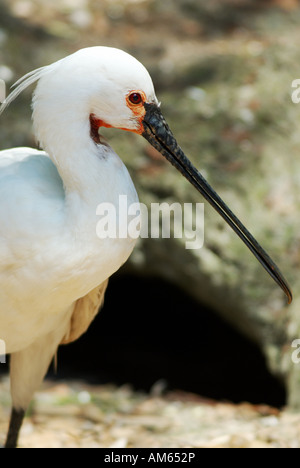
<point x="150" y="331"/>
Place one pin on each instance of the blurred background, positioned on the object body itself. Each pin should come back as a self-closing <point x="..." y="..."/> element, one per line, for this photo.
<point x="210" y="321"/>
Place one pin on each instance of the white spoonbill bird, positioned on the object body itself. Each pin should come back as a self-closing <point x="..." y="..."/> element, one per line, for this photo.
<point x="54" y="269"/>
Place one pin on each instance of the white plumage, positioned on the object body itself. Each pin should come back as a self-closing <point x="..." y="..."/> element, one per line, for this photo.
<point x="50" y="253"/>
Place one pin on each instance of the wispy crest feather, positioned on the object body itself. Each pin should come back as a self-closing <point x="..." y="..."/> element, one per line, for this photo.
<point x="22" y="84"/>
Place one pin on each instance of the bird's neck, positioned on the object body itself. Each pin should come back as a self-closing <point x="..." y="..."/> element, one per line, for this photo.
<point x="80" y="161"/>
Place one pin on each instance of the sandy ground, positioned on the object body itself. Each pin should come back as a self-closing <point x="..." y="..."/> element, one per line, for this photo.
<point x="76" y="415"/>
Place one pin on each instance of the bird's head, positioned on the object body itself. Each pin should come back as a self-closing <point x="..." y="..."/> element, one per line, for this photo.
<point x="106" y="84"/>
<point x="113" y="84"/>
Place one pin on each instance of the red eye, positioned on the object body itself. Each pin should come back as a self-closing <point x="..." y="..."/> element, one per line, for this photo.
<point x="135" y="98"/>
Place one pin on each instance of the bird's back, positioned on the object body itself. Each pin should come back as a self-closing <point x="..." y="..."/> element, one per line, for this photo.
<point x="31" y="211"/>
<point x="30" y="190"/>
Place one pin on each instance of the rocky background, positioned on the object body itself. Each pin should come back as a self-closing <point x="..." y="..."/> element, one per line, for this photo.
<point x="223" y="70"/>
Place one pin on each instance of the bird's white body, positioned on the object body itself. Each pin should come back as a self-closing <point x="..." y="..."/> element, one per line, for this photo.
<point x="50" y="255"/>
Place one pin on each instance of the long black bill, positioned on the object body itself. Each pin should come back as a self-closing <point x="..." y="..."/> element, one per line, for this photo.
<point x="158" y="133"/>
